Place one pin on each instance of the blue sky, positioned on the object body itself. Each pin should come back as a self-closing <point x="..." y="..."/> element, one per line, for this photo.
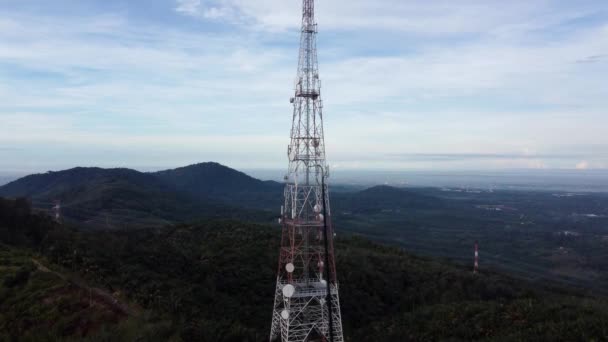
<point x="440" y="85"/>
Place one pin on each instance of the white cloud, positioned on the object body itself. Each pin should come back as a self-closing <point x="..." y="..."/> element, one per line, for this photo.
<point x="583" y="165"/>
<point x="498" y="18"/>
<point x="217" y="10"/>
<point x="496" y="88"/>
<point x="189" y="7"/>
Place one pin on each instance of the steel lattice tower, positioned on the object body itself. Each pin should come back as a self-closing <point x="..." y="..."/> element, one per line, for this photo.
<point x="57" y="211"/>
<point x="302" y="306"/>
<point x="476" y="260"/>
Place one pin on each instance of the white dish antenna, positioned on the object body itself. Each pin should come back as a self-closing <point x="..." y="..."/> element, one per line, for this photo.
<point x="290" y="267"/>
<point x="288" y="291"/>
<point x="317" y="208"/>
<point x="285" y="314"/>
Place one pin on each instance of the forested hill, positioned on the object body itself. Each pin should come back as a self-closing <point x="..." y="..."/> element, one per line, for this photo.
<point x="55" y="183"/>
<point x="114" y="198"/>
<point x="385" y="198"/>
<point x="214" y="281"/>
<point x="543" y="236"/>
<point x="213" y="180"/>
<point x="203" y="181"/>
<point x="183" y="193"/>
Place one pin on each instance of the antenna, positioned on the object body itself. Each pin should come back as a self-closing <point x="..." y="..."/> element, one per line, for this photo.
<point x="476" y="260"/>
<point x="329" y="299"/>
<point x="57" y="211"/>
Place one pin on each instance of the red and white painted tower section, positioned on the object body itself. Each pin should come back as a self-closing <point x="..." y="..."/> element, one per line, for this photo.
<point x="476" y="262"/>
<point x="306" y="304"/>
<point x="57" y="211"/>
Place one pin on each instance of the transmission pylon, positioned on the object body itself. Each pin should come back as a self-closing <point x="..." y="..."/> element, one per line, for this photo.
<point x="476" y="260"/>
<point x="57" y="211"/>
<point x="306" y="304"/>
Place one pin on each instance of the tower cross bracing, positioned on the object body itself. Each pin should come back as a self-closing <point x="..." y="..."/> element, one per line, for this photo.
<point x="306" y="304"/>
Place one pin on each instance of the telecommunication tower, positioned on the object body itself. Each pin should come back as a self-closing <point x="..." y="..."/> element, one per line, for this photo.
<point x="476" y="260"/>
<point x="57" y="211"/>
<point x="306" y="304"/>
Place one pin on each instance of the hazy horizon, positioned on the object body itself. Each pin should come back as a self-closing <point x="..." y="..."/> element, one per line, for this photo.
<point x="505" y="179"/>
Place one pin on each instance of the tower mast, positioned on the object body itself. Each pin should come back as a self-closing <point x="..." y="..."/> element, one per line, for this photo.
<point x="476" y="260"/>
<point x="57" y="211"/>
<point x="306" y="305"/>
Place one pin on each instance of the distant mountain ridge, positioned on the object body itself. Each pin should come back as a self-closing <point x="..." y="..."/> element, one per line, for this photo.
<point x="55" y="183"/>
<point x="204" y="180"/>
<point x="113" y="198"/>
<point x="213" y="178"/>
<point x="216" y="181"/>
<point x="383" y="198"/>
<point x="107" y="197"/>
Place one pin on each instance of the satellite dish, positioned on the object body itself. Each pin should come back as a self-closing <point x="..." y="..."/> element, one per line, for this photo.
<point x="320" y="264"/>
<point x="288" y="291"/>
<point x="323" y="281"/>
<point x="317" y="208"/>
<point x="321" y="217"/>
<point x="322" y="301"/>
<point x="285" y="314"/>
<point x="290" y="267"/>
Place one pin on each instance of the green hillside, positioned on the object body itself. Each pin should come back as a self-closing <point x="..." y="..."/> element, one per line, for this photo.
<point x="540" y="236"/>
<point x="116" y="198"/>
<point x="39" y="304"/>
<point x="214" y="281"/>
<point x="213" y="180"/>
